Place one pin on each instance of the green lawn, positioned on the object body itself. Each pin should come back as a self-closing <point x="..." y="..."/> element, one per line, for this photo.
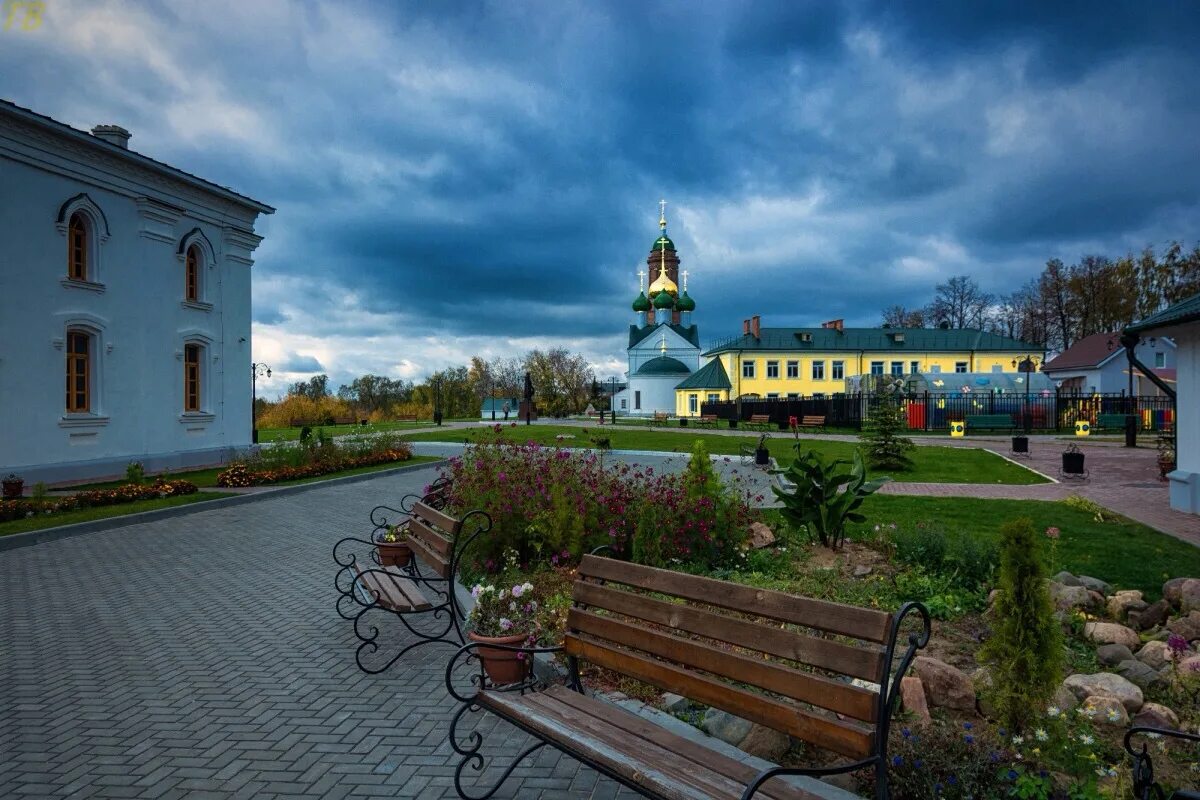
<point x="933" y="464"/>
<point x="268" y="435"/>
<point x="208" y="477"/>
<point x="1127" y="554"/>
<point x="37" y="522"/>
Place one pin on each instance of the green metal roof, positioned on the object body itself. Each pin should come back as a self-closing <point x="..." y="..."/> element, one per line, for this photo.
<point x="711" y="376"/>
<point x="688" y="332"/>
<point x="1186" y="310"/>
<point x="663" y="365"/>
<point x="685" y="303"/>
<point x="664" y="300"/>
<point x="663" y="243"/>
<point x="911" y="340"/>
<point x="641" y="302"/>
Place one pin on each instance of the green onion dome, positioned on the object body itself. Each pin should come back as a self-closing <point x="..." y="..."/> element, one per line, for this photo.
<point x="685" y="303"/>
<point x="641" y="303"/>
<point x="663" y="242"/>
<point x="663" y="300"/>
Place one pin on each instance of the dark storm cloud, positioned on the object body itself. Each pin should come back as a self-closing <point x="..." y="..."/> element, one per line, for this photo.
<point x="480" y="172"/>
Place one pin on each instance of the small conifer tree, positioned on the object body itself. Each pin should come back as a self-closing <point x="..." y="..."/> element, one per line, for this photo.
<point x="1025" y="652"/>
<point x="882" y="443"/>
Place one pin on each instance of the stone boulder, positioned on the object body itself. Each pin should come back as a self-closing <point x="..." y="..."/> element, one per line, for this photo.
<point x="761" y="536"/>
<point x="1154" y="715"/>
<point x="1173" y="591"/>
<point x="1095" y="585"/>
<point x="1121" y="603"/>
<point x="912" y="697"/>
<point x="945" y="686"/>
<point x="1064" y="699"/>
<point x="1190" y="664"/>
<point x="1068" y="597"/>
<point x="1105" y="684"/>
<point x="1143" y="675"/>
<point x="725" y="726"/>
<point x="1111" y="633"/>
<point x="1151" y="617"/>
<point x="1108" y="711"/>
<point x="1154" y="655"/>
<point x="1189" y="596"/>
<point x="675" y="703"/>
<point x="766" y="743"/>
<point x="1188" y="627"/>
<point x="1066" y="579"/>
<point x="1112" y="654"/>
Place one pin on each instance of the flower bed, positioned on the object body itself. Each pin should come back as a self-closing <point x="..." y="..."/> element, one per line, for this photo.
<point x="252" y="473"/>
<point x="553" y="505"/>
<point x="129" y="493"/>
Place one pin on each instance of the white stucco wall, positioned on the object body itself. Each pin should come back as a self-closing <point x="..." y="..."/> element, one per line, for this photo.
<point x="1185" y="480"/>
<point x="135" y="310"/>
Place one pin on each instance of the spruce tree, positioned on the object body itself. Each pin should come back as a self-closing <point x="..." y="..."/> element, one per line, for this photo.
<point x="1025" y="652"/>
<point x="881" y="441"/>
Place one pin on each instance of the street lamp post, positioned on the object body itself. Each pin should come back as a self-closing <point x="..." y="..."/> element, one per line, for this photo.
<point x="1028" y="365"/>
<point x="255" y="371"/>
<point x="612" y="399"/>
<point x="437" y="401"/>
<point x="493" y="400"/>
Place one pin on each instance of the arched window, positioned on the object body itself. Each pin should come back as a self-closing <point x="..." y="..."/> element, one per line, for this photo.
<point x="79" y="372"/>
<point x="77" y="248"/>
<point x="191" y="377"/>
<point x="192" y="274"/>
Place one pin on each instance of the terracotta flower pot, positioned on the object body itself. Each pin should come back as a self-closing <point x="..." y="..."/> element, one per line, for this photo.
<point x="13" y="487"/>
<point x="502" y="666"/>
<point x="394" y="554"/>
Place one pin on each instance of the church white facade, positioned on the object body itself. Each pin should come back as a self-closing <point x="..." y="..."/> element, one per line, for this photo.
<point x="124" y="306"/>
<point x="664" y="344"/>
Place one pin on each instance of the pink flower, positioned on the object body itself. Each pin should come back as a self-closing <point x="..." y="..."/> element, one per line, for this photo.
<point x="1177" y="643"/>
<point x="1052" y="532"/>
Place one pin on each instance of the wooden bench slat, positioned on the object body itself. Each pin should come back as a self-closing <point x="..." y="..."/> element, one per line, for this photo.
<point x="697" y="755"/>
<point x="803" y="686"/>
<point x="860" y="623"/>
<point x="845" y="738"/>
<point x="432" y="558"/>
<point x="438" y="519"/>
<point x="859" y="662"/>
<point x="429" y="537"/>
<point x="397" y="594"/>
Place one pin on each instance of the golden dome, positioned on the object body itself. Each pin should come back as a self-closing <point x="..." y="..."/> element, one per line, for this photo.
<point x="663" y="284"/>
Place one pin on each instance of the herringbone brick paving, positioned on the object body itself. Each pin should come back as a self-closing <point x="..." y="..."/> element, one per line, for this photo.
<point x="201" y="657"/>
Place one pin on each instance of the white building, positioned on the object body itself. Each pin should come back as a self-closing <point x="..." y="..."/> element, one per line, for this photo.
<point x="1182" y="323"/>
<point x="126" y="281"/>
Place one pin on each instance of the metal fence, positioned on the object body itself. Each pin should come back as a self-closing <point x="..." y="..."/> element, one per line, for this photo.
<point x="934" y="412"/>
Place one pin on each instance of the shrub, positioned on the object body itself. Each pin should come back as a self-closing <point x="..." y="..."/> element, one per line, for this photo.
<point x="94" y="498"/>
<point x="289" y="462"/>
<point x="1025" y="652"/>
<point x="948" y="760"/>
<point x="881" y="440"/>
<point x="135" y="472"/>
<point x="825" y="498"/>
<point x="969" y="561"/>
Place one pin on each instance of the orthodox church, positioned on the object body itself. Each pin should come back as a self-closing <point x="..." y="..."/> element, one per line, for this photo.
<point x="664" y="343"/>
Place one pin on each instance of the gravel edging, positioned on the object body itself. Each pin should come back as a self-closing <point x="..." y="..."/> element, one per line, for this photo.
<point x="14" y="541"/>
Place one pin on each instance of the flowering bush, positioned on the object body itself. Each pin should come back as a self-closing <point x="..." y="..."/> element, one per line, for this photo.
<point x="546" y="501"/>
<point x="94" y="498"/>
<point x="506" y="611"/>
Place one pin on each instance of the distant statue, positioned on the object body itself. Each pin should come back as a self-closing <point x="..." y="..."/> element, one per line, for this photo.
<point x="528" y="387"/>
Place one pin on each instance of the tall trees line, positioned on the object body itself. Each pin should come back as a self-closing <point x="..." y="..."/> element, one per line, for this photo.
<point x="1066" y="302"/>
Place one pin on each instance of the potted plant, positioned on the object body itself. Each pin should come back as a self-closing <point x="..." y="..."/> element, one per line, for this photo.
<point x="1166" y="462"/>
<point x="393" y="548"/>
<point x="506" y="616"/>
<point x="13" y="486"/>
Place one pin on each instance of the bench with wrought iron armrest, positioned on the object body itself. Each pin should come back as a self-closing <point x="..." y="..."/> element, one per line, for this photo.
<point x="724" y="645"/>
<point x="1002" y="422"/>
<point x="1144" y="787"/>
<point x="366" y="588"/>
<point x="813" y="421"/>
<point x="1110" y="422"/>
<point x="705" y="421"/>
<point x="749" y="451"/>
<point x="760" y="421"/>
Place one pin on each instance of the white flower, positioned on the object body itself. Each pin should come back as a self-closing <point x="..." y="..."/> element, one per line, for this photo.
<point x="518" y="590"/>
<point x="1090" y="712"/>
<point x="1053" y="711"/>
<point x="1086" y="739"/>
<point x="1041" y="735"/>
<point x="512" y="606"/>
<point x="1113" y="716"/>
<point x="1018" y="740"/>
<point x="505" y="624"/>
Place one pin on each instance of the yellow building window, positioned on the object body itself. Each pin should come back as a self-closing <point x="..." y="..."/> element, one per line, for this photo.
<point x="839" y="370"/>
<point x="793" y="369"/>
<point x="772" y="369"/>
<point x="818" y="370"/>
<point x="747" y="369"/>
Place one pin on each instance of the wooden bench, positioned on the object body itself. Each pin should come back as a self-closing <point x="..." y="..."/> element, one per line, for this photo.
<point x="406" y="417"/>
<point x="759" y="421"/>
<point x="438" y="541"/>
<point x="813" y="421"/>
<point x="1111" y="422"/>
<point x="776" y="659"/>
<point x="1002" y="422"/>
<point x="662" y="416"/>
<point x="1144" y="787"/>
<point x="704" y="421"/>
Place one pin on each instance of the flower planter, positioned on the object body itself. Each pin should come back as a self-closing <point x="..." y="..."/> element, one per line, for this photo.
<point x="503" y="666"/>
<point x="762" y="456"/>
<point x="394" y="554"/>
<point x="1166" y="465"/>
<point x="1020" y="444"/>
<point x="733" y="423"/>
<point x="13" y="487"/>
<point x="683" y="422"/>
<point x="1072" y="462"/>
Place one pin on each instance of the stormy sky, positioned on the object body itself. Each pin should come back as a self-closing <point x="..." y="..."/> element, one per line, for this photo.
<point x="482" y="178"/>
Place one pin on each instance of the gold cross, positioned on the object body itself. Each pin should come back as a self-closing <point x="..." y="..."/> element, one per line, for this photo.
<point x="664" y="343"/>
<point x="662" y="214"/>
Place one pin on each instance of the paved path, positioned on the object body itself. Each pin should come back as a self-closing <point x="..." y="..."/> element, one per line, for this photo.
<point x="200" y="657"/>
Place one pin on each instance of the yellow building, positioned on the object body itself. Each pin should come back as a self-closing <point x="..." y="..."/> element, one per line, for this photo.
<point x="815" y="362"/>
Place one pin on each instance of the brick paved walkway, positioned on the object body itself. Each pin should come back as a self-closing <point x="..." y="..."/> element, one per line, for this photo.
<point x="201" y="657"/>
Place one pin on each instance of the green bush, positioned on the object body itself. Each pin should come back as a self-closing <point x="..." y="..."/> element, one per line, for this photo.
<point x="970" y="561"/>
<point x="1025" y="651"/>
<point x="881" y="436"/>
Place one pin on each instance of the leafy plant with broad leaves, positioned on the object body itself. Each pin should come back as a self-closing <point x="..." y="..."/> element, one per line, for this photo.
<point x="826" y="496"/>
